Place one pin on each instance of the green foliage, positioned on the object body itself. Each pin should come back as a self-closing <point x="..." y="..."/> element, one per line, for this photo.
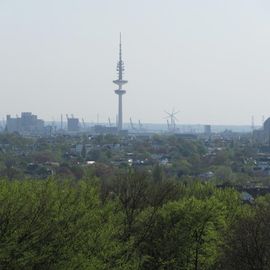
<point x="53" y="225"/>
<point x="130" y="222"/>
<point x="157" y="173"/>
<point x="247" y="244"/>
<point x="185" y="234"/>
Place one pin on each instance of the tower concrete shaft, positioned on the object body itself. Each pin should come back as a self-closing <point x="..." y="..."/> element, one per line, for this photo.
<point x="120" y="112"/>
<point x="120" y="82"/>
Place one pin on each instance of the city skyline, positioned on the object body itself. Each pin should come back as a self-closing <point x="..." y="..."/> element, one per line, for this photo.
<point x="60" y="58"/>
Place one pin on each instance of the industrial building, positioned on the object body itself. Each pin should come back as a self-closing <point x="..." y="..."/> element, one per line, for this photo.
<point x="263" y="135"/>
<point x="100" y="129"/>
<point x="73" y="124"/>
<point x="207" y="130"/>
<point x="28" y="123"/>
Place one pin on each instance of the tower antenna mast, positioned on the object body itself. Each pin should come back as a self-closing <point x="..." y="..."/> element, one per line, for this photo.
<point x="120" y="82"/>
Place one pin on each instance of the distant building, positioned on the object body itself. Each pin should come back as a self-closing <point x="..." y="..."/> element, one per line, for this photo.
<point x="266" y="126"/>
<point x="263" y="135"/>
<point x="73" y="124"/>
<point x="100" y="129"/>
<point x="246" y="197"/>
<point x="207" y="130"/>
<point x="27" y="123"/>
<point x="12" y="124"/>
<point x="206" y="175"/>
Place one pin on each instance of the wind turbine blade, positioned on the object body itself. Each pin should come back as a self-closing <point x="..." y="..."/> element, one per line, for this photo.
<point x="167" y="112"/>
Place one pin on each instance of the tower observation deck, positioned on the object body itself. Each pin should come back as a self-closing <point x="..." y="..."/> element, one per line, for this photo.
<point x="120" y="82"/>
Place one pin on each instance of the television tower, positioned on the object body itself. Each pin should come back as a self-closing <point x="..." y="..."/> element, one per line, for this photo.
<point x="120" y="82"/>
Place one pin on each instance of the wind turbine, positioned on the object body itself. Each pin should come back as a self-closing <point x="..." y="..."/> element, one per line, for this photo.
<point x="172" y="117"/>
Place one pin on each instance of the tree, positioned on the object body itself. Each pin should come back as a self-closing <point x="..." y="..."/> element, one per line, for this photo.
<point x="247" y="245"/>
<point x="157" y="173"/>
<point x="186" y="235"/>
<point x="58" y="225"/>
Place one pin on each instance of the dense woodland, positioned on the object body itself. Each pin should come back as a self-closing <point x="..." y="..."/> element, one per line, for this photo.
<point x="131" y="221"/>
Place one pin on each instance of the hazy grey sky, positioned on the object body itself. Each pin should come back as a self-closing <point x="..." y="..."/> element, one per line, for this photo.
<point x="210" y="59"/>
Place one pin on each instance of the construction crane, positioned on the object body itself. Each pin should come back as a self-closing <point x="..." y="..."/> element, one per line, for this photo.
<point x="131" y="124"/>
<point x="140" y="125"/>
<point x="109" y="120"/>
<point x="3" y="124"/>
<point x="263" y="119"/>
<point x="67" y="120"/>
<point x="61" y="121"/>
<point x="54" y="127"/>
<point x="83" y="123"/>
<point x="252" y="123"/>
